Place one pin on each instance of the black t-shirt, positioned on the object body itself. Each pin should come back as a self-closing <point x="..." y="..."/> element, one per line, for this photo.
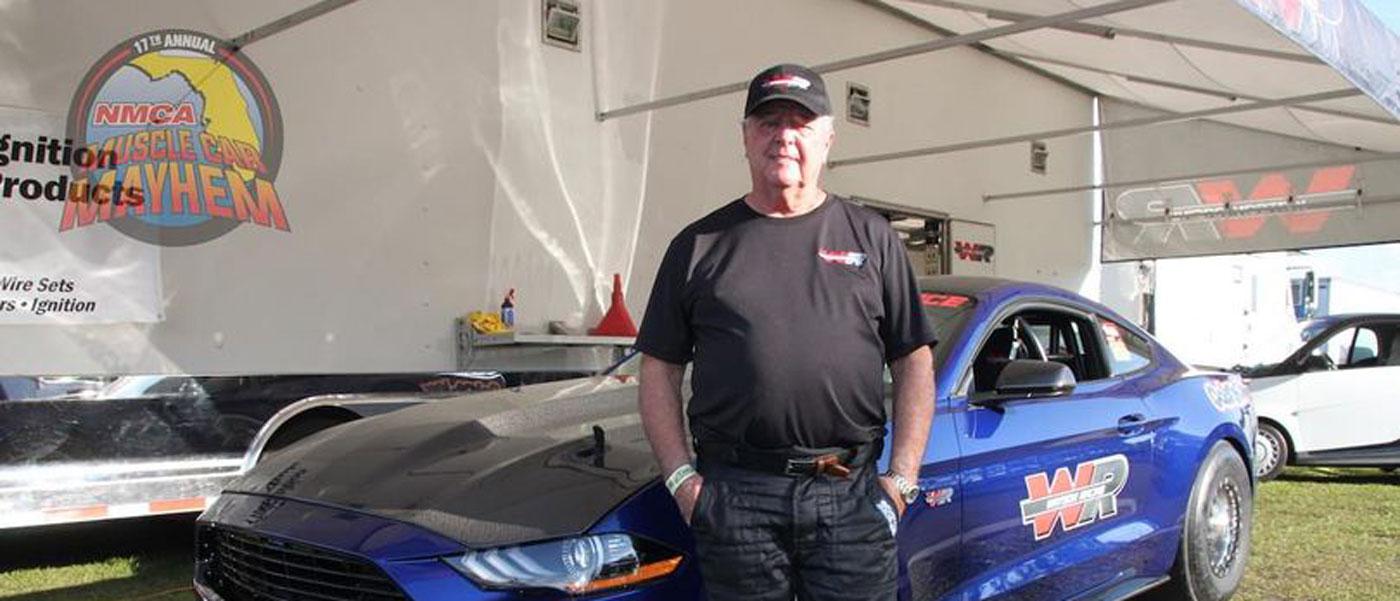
<point x="789" y="322"/>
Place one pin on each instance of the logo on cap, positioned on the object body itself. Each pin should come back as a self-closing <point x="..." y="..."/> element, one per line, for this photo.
<point x="788" y="81"/>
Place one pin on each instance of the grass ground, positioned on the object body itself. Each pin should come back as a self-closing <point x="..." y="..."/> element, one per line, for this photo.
<point x="1319" y="534"/>
<point x="1326" y="534"/>
<point x="145" y="559"/>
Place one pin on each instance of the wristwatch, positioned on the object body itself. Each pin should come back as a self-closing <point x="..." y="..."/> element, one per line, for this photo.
<point x="909" y="491"/>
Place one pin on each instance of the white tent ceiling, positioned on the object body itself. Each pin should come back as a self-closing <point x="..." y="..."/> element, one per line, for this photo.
<point x="1178" y="56"/>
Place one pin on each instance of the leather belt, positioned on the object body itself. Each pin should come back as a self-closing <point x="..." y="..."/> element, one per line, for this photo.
<point x="792" y="462"/>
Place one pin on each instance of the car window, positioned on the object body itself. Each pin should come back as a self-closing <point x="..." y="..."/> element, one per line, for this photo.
<point x="1364" y="349"/>
<point x="1039" y="334"/>
<point x="1047" y="336"/>
<point x="1127" y="352"/>
<point x="1349" y="348"/>
<point x="1336" y="347"/>
<point x="1070" y="342"/>
<point x="949" y="314"/>
<point x="1355" y="348"/>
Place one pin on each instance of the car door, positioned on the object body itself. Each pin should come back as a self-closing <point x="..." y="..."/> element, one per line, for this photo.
<point x="1052" y="486"/>
<point x="928" y="531"/>
<point x="1352" y="398"/>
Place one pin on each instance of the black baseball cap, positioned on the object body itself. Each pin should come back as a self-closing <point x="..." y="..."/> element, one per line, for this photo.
<point x="788" y="82"/>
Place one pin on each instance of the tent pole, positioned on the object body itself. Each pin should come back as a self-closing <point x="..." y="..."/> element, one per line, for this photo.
<point x="1071" y="131"/>
<point x="896" y="53"/>
<point x="287" y="22"/>
<point x="1390" y="156"/>
<point x="1231" y="96"/>
<point x="1110" y="32"/>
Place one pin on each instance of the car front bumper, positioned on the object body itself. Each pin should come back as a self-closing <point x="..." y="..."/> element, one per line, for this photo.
<point x="403" y="556"/>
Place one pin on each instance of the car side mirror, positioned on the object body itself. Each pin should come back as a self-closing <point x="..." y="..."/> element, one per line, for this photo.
<point x="1028" y="378"/>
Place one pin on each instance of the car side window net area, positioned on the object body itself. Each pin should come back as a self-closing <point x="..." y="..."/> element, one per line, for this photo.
<point x="1127" y="352"/>
<point x="1041" y="335"/>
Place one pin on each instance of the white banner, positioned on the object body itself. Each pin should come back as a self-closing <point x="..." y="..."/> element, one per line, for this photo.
<point x="1270" y="193"/>
<point x="84" y="275"/>
<point x="1344" y="34"/>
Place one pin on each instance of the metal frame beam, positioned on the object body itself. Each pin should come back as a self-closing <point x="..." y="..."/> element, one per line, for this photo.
<point x="1317" y="202"/>
<point x="896" y="53"/>
<point x="1389" y="156"/>
<point x="1231" y="96"/>
<point x="292" y="20"/>
<point x="916" y="21"/>
<point x="1111" y="32"/>
<point x="1071" y="131"/>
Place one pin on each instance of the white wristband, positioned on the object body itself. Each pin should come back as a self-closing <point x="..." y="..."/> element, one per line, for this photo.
<point x="678" y="477"/>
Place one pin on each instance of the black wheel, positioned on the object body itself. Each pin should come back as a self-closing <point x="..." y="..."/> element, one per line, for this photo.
<point x="1215" y="542"/>
<point x="1270" y="452"/>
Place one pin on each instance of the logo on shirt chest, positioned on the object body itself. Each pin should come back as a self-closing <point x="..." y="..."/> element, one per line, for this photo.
<point x="848" y="258"/>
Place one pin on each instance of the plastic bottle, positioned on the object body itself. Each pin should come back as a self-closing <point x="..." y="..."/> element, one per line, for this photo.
<point x="508" y="310"/>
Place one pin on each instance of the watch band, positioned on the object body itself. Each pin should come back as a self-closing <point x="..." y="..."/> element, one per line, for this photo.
<point x="909" y="491"/>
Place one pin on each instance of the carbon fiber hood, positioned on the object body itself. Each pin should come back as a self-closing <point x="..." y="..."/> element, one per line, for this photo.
<point x="486" y="469"/>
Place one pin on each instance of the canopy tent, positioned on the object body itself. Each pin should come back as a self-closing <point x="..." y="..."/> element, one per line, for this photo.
<point x="1229" y="126"/>
<point x="1297" y="101"/>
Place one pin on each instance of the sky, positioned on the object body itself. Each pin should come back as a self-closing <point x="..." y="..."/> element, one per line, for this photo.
<point x="1374" y="266"/>
<point x="1387" y="10"/>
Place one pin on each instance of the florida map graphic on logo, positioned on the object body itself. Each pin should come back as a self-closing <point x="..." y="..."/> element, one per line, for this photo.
<point x="194" y="138"/>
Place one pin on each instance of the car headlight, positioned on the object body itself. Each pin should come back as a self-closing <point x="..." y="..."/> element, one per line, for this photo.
<point x="576" y="566"/>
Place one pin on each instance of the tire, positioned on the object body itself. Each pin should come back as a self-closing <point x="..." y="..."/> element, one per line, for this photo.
<point x="1270" y="452"/>
<point x="1215" y="540"/>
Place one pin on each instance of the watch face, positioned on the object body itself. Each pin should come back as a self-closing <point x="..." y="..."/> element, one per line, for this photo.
<point x="910" y="496"/>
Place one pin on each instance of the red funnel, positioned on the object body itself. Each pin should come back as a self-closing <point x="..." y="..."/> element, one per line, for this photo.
<point x="616" y="322"/>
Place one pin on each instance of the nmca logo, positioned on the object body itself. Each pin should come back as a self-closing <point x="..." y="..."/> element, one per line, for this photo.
<point x="1091" y="493"/>
<point x="143" y="113"/>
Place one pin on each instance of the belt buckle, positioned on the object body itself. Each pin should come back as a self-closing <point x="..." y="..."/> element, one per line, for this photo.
<point x="800" y="467"/>
<point x="822" y="464"/>
<point x="830" y="464"/>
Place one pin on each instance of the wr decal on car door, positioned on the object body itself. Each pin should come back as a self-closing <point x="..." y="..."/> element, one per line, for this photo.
<point x="1091" y="493"/>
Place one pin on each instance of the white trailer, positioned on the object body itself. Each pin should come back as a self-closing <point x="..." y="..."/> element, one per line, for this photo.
<point x="432" y="155"/>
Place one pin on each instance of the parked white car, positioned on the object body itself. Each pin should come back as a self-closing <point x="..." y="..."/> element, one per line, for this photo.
<point x="1335" y="400"/>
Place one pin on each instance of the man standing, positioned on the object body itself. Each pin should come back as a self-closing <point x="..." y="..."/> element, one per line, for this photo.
<point x="789" y="301"/>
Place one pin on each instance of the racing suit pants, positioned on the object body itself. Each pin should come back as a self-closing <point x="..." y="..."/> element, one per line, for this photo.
<point x="763" y="536"/>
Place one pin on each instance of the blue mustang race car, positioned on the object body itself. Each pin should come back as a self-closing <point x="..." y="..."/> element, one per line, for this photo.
<point x="1071" y="457"/>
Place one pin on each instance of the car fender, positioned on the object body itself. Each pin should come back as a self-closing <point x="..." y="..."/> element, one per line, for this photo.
<point x="1276" y="400"/>
<point x="1290" y="425"/>
<point x="1198" y="424"/>
<point x="1236" y="436"/>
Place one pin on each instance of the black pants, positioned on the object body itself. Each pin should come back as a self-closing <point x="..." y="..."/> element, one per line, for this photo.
<point x="763" y="536"/>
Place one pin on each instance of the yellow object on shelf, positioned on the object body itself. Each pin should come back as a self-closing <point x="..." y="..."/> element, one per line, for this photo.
<point x="487" y="322"/>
